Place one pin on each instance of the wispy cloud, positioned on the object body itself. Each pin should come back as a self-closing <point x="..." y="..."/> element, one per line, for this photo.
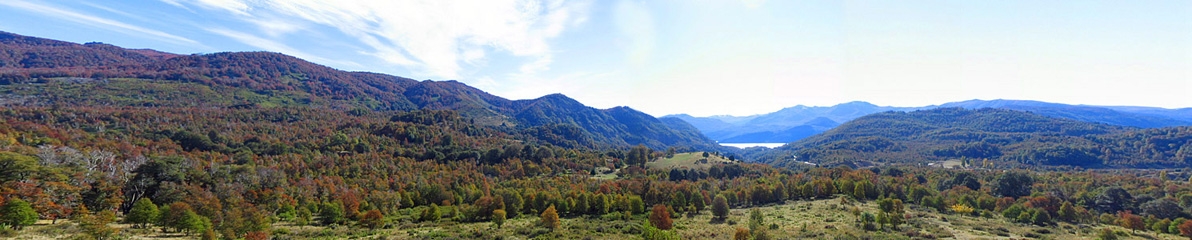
<point x="233" y="6"/>
<point x="434" y="38"/>
<point x="99" y="22"/>
<point x="274" y="46"/>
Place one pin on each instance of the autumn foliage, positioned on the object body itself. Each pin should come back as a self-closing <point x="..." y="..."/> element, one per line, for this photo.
<point x="550" y="218"/>
<point x="660" y="217"/>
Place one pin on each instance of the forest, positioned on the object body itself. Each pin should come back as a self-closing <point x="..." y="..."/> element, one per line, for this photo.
<point x="1002" y="137"/>
<point x="101" y="142"/>
<point x="238" y="173"/>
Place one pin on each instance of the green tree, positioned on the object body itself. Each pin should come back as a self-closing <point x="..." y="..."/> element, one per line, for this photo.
<point x="15" y="166"/>
<point x="650" y="232"/>
<point x="17" y="214"/>
<point x="892" y="209"/>
<point x="96" y="225"/>
<point x="637" y="205"/>
<point x="181" y="217"/>
<point x="756" y="220"/>
<point x="302" y="217"/>
<point x="1041" y="218"/>
<point x="720" y="207"/>
<point x="192" y="222"/>
<point x="331" y="213"/>
<point x="1013" y="184"/>
<point x="513" y="203"/>
<point x="1067" y="212"/>
<point x="143" y="213"/>
<point x="498" y="217"/>
<point x="431" y="213"/>
<point x="639" y="155"/>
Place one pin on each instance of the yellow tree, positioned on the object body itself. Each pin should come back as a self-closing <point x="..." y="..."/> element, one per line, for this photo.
<point x="550" y="218"/>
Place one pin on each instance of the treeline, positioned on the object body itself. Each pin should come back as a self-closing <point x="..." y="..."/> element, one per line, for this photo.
<point x="233" y="172"/>
<point x="1007" y="138"/>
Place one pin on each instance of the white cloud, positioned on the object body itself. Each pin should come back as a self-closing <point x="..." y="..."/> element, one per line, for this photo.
<point x="234" y="6"/>
<point x="99" y="22"/>
<point x="431" y="37"/>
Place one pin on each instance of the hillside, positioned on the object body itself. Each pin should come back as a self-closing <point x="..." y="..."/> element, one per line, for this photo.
<point x="794" y="123"/>
<point x="786" y="125"/>
<point x="1003" y="136"/>
<point x="1121" y="116"/>
<point x="43" y="72"/>
<point x="233" y="148"/>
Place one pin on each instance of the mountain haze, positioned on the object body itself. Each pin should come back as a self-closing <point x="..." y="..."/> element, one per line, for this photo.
<point x="794" y="123"/>
<point x="1000" y="135"/>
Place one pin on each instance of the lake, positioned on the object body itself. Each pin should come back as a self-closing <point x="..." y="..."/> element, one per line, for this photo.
<point x="747" y="145"/>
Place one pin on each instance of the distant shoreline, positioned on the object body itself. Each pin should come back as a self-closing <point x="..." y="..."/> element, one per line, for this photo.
<point x="749" y="145"/>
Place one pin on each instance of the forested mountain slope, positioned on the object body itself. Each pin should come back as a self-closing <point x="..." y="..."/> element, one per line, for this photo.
<point x="1122" y="116"/>
<point x="1001" y="136"/>
<point x="43" y="72"/>
<point x="794" y="123"/>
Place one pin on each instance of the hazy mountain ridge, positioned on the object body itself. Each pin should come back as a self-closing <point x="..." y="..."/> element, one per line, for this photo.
<point x="791" y="124"/>
<point x="999" y="135"/>
<point x="36" y="70"/>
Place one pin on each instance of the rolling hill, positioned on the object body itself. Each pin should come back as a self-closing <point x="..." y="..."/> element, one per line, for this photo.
<point x="794" y="123"/>
<point x="999" y="135"/>
<point x="43" y="72"/>
<point x="786" y="125"/>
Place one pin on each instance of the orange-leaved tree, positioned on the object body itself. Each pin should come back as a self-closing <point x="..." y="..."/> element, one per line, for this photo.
<point x="660" y="217"/>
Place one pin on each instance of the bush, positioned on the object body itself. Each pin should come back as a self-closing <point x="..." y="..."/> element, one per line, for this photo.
<point x="431" y="214"/>
<point x="498" y="217"/>
<point x="1106" y="234"/>
<point x="143" y="213"/>
<point x="741" y="234"/>
<point x="17" y="214"/>
<point x="720" y="207"/>
<point x="550" y="218"/>
<point x="331" y="213"/>
<point x="373" y="219"/>
<point x="653" y="233"/>
<point x="660" y="217"/>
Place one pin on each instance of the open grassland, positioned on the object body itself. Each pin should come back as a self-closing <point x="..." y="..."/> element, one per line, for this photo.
<point x="819" y="219"/>
<point x="692" y="160"/>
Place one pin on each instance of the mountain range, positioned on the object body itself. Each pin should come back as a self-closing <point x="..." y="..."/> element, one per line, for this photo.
<point x="1002" y="136"/>
<point x="798" y="122"/>
<point x="44" y="72"/>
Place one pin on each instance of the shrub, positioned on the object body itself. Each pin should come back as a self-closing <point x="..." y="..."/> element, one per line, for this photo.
<point x="498" y="217"/>
<point x="17" y="213"/>
<point x="431" y="214"/>
<point x="550" y="218"/>
<point x="741" y="234"/>
<point x="373" y="219"/>
<point x="660" y="217"/>
<point x="653" y="233"/>
<point x="720" y="207"/>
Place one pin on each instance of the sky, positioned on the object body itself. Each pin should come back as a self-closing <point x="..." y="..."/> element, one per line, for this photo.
<point x="699" y="57"/>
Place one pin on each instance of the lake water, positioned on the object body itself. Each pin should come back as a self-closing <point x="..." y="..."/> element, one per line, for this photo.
<point x="747" y="145"/>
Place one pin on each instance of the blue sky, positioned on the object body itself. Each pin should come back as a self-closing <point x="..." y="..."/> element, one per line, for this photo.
<point x="686" y="56"/>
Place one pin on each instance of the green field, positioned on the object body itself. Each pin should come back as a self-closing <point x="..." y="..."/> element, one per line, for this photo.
<point x="819" y="219"/>
<point x="687" y="160"/>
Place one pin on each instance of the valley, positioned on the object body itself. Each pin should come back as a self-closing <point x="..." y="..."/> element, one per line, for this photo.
<point x="102" y="142"/>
